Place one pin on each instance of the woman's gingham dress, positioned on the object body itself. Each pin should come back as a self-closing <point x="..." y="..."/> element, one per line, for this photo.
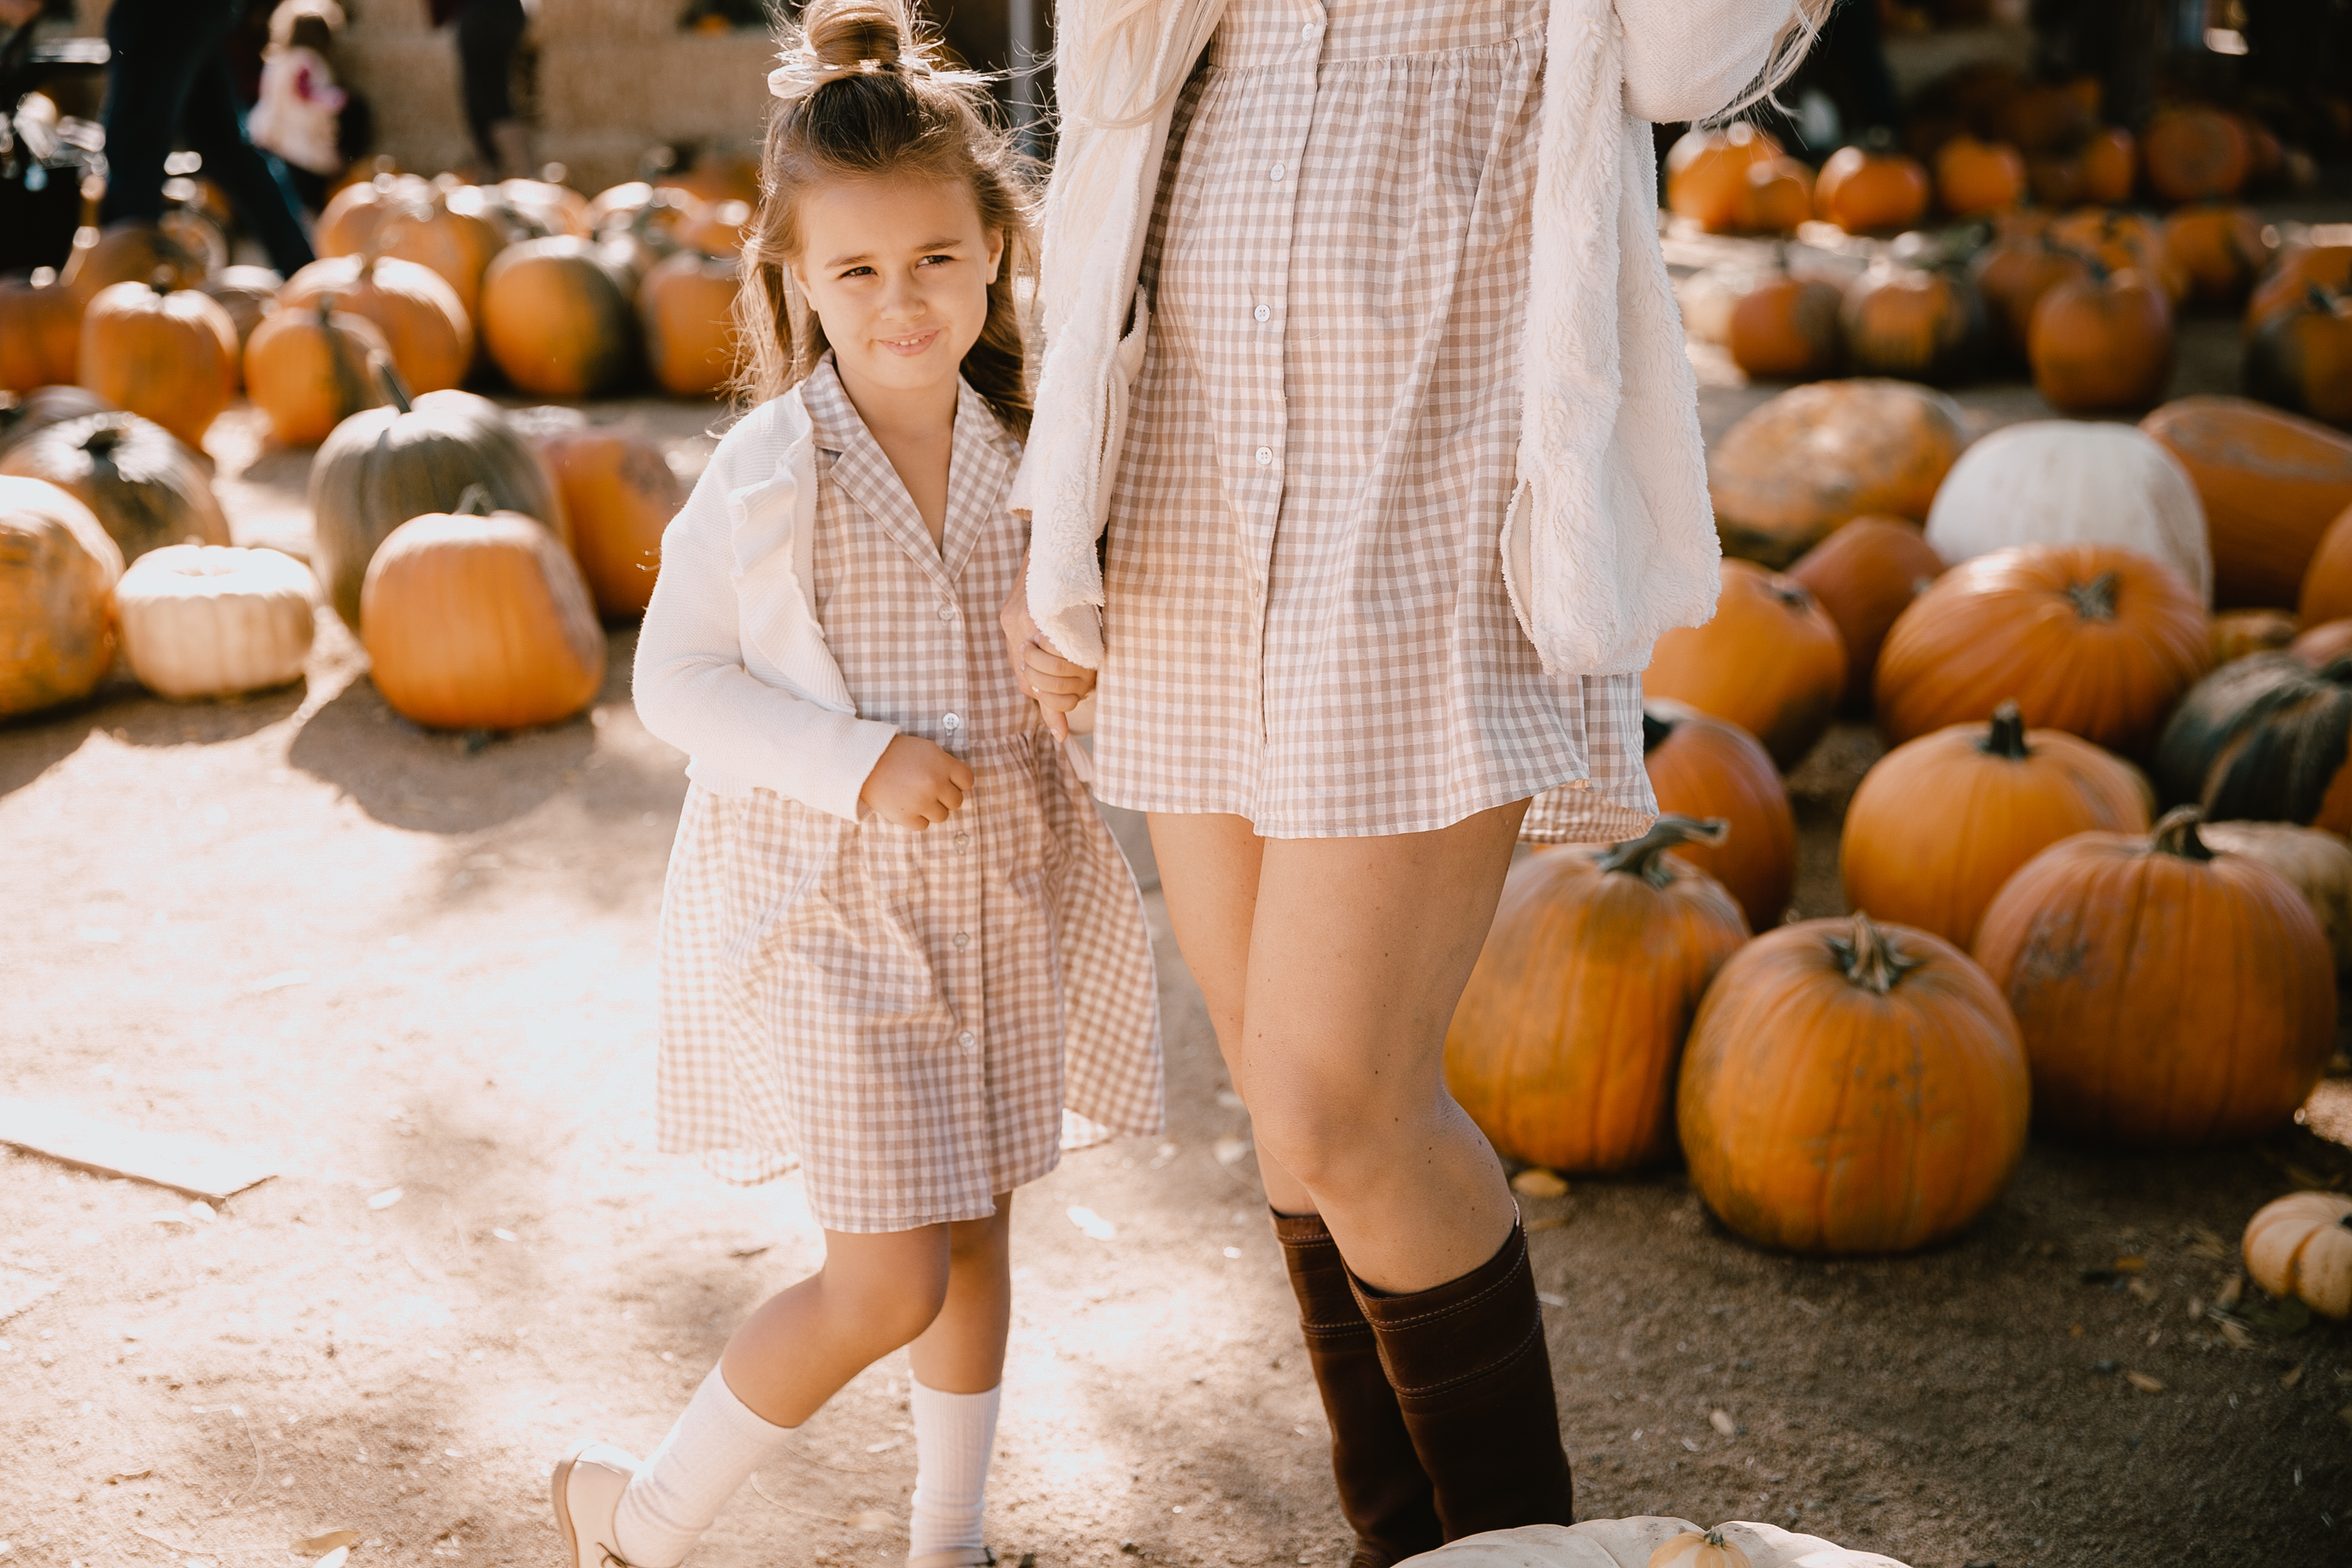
<point x="889" y="1007"/>
<point x="1305" y="618"/>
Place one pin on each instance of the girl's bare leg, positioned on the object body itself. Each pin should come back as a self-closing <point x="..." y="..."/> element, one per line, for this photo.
<point x="963" y="1350"/>
<point x="874" y="1294"/>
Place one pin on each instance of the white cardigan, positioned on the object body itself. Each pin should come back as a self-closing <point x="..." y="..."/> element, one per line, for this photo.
<point x="1611" y="539"/>
<point x="732" y="668"/>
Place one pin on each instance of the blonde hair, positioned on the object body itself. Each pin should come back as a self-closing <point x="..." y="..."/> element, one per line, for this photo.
<point x="1790" y="45"/>
<point x="864" y="96"/>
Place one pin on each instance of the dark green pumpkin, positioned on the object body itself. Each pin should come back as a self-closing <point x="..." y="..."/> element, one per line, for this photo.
<point x="23" y="413"/>
<point x="2264" y="739"/>
<point x="147" y="490"/>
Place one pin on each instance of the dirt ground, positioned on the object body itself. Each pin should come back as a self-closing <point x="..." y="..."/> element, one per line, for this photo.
<point x="417" y="964"/>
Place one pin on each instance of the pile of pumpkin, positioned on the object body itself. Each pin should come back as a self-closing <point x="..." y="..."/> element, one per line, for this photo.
<point x="2084" y="296"/>
<point x="2031" y="940"/>
<point x="473" y="551"/>
<point x="562" y="297"/>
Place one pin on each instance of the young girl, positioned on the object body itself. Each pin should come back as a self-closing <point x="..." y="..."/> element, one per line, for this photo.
<point x="890" y="903"/>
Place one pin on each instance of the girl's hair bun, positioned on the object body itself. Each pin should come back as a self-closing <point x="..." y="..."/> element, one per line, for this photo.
<point x="842" y="35"/>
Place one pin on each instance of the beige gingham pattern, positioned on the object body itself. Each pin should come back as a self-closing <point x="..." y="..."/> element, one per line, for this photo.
<point x="889" y="1009"/>
<point x="1306" y="622"/>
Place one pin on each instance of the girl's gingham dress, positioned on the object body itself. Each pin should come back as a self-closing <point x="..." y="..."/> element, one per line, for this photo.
<point x="1304" y="618"/>
<point x="891" y="1008"/>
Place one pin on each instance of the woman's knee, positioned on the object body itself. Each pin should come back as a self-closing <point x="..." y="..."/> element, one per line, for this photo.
<point x="1335" y="1135"/>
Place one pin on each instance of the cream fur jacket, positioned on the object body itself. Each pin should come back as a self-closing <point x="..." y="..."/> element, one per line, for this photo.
<point x="1610" y="539"/>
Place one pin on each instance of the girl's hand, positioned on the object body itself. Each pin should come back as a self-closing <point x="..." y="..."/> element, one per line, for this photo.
<point x="915" y="784"/>
<point x="1056" y="685"/>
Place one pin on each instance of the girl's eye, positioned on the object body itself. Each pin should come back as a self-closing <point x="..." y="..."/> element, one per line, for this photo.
<point x="929" y="260"/>
<point x="858" y="271"/>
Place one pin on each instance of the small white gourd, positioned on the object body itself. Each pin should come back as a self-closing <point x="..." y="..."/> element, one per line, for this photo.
<point x="210" y="620"/>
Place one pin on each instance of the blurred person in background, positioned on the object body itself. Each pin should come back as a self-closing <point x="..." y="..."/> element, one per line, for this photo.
<point x="169" y="81"/>
<point x="489" y="34"/>
<point x="299" y="114"/>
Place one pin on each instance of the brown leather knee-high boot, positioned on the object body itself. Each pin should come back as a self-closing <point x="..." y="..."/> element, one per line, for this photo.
<point x="1382" y="1490"/>
<point x="1473" y="1381"/>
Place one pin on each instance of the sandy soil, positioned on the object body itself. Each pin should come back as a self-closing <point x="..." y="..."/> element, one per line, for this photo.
<point x="409" y="961"/>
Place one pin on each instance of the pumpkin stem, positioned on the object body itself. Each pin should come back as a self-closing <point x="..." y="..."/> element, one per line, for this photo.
<point x="103" y="440"/>
<point x="2176" y="834"/>
<point x="2006" y="736"/>
<point x="1656" y="729"/>
<point x="396" y="391"/>
<point x="1870" y="957"/>
<point x="1645" y="857"/>
<point x="326" y="308"/>
<point x="1714" y="1537"/>
<point x="160" y="280"/>
<point x="473" y="502"/>
<point x="2095" y="600"/>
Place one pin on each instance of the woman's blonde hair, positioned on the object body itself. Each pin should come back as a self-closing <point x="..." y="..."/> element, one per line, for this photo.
<point x="1789" y="46"/>
<point x="864" y="96"/>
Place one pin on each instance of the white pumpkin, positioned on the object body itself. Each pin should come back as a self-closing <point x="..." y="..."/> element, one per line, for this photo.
<point x="211" y="620"/>
<point x="1633" y="1543"/>
<point x="2058" y="481"/>
<point x="2301" y="1246"/>
<point x="2316" y="861"/>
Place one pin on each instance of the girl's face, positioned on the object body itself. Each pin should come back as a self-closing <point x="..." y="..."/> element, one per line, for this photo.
<point x="897" y="271"/>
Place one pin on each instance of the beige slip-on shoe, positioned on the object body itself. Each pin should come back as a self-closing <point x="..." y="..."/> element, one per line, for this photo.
<point x="586" y="1490"/>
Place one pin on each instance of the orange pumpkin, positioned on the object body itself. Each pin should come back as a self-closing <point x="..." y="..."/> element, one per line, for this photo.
<point x="2110" y="162"/>
<point x="1564" y="1047"/>
<point x="2121" y="241"/>
<point x="2302" y="359"/>
<point x="717" y="230"/>
<point x="2291" y="277"/>
<point x="2194" y="154"/>
<point x="2270" y="483"/>
<point x="58" y="572"/>
<point x="551" y="207"/>
<point x="1850" y="1087"/>
<point x="1706" y="173"/>
<point x="2087" y="639"/>
<point x="2322" y="645"/>
<point x="423" y="321"/>
<point x="2221" y="249"/>
<point x="1775" y="198"/>
<point x="1938" y="824"/>
<point x="248" y="294"/>
<point x="1786" y="328"/>
<point x="620" y="494"/>
<point x="2237" y="633"/>
<point x="1865" y="575"/>
<point x="40" y="331"/>
<point x="446" y="229"/>
<point x="1703" y="767"/>
<point x="166" y="353"/>
<point x="1975" y="178"/>
<point x="2327" y="580"/>
<point x="129" y="251"/>
<point x="2013" y="274"/>
<point x="686" y="308"/>
<point x="1913" y="323"/>
<point x="1770" y="661"/>
<point x="310" y="370"/>
<point x="663" y="208"/>
<point x="348" y="226"/>
<point x="479" y="622"/>
<point x="1788" y="472"/>
<point x="1865" y="190"/>
<point x="718" y="175"/>
<point x="2104" y="341"/>
<point x="2169" y="997"/>
<point x="2042" y="118"/>
<point x="556" y="316"/>
<point x="2264" y="739"/>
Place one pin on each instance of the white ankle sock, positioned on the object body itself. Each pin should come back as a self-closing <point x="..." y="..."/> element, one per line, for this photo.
<point x="717" y="1444"/>
<point x="954" y="1434"/>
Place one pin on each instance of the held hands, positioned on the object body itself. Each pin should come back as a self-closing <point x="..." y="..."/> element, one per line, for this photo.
<point x="915" y="784"/>
<point x="1055" y="683"/>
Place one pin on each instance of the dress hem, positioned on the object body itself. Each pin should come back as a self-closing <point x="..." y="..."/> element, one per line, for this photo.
<point x="1606" y="818"/>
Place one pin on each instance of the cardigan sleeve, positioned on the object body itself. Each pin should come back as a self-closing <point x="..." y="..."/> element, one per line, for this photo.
<point x="1686" y="59"/>
<point x="693" y="690"/>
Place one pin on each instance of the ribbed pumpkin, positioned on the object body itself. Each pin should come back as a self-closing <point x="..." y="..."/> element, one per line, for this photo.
<point x="1976" y="178"/>
<point x="1865" y="190"/>
<point x="2265" y="739"/>
<point x="1792" y="469"/>
<point x="2270" y="483"/>
<point x="444" y="229"/>
<point x="2088" y="638"/>
<point x="2194" y="154"/>
<point x="2012" y="274"/>
<point x="2318" y="862"/>
<point x="2169" y="997"/>
<point x="1850" y="1087"/>
<point x="1786" y="328"/>
<point x="310" y="369"/>
<point x="1770" y="661"/>
<point x="556" y="315"/>
<point x="58" y="570"/>
<point x="129" y="251"/>
<point x="620" y="494"/>
<point x="2237" y="633"/>
<point x="1865" y="575"/>
<point x="1705" y="768"/>
<point x="663" y="209"/>
<point x="2065" y="481"/>
<point x="2221" y="247"/>
<point x="168" y="354"/>
<point x="2110" y="165"/>
<point x="480" y="622"/>
<point x="717" y="229"/>
<point x="2291" y="277"/>
<point x="1913" y="323"/>
<point x="2300" y="1247"/>
<point x="421" y="318"/>
<point x="1774" y="198"/>
<point x="2327" y="580"/>
<point x="2301" y="360"/>
<point x="248" y="294"/>
<point x="2101" y="342"/>
<point x="40" y="331"/>
<point x="1938" y="824"/>
<point x="1706" y="172"/>
<point x="387" y="465"/>
<point x="347" y="227"/>
<point x="686" y="307"/>
<point x="22" y="417"/>
<point x="145" y="488"/>
<point x="200" y="620"/>
<point x="1564" y="1046"/>
<point x="2123" y="242"/>
<point x="555" y="210"/>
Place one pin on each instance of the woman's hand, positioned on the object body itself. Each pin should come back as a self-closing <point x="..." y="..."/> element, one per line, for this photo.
<point x="1056" y="685"/>
<point x="915" y="784"/>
